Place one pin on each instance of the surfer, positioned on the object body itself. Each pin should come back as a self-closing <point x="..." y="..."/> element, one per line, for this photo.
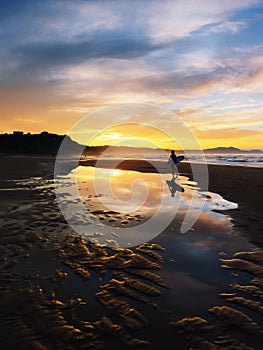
<point x="172" y="161"/>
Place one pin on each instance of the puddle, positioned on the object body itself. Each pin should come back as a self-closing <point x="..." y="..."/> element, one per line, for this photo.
<point x="134" y="207"/>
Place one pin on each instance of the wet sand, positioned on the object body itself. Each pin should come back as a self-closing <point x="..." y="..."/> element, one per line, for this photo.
<point x="61" y="291"/>
<point x="242" y="185"/>
<point x="21" y="167"/>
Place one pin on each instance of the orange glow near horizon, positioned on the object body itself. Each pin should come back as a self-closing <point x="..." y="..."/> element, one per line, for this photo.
<point x="35" y="118"/>
<point x="134" y="137"/>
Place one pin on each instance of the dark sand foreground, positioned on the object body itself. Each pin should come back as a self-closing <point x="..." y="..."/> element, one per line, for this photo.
<point x="59" y="291"/>
<point x="21" y="167"/>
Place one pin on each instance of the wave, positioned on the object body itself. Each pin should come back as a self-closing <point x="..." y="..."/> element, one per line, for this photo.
<point x="250" y="160"/>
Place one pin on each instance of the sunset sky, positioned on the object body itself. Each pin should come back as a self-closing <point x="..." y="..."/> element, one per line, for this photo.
<point x="203" y="60"/>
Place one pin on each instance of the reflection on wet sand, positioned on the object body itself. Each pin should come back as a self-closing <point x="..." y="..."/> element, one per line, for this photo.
<point x="200" y="290"/>
<point x="173" y="186"/>
<point x="128" y="197"/>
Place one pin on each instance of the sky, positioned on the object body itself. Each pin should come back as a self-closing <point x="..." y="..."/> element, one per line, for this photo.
<point x="61" y="60"/>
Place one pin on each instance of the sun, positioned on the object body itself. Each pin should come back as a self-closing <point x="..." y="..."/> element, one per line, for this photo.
<point x="111" y="136"/>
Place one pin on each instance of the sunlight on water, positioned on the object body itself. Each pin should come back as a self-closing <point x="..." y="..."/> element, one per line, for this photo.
<point x="121" y="198"/>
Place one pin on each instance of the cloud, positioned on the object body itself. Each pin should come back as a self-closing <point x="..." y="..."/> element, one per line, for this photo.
<point x="207" y="121"/>
<point x="177" y="19"/>
<point x="170" y="84"/>
<point x="69" y="31"/>
<point x="101" y="45"/>
<point x="226" y="133"/>
<point x="228" y="26"/>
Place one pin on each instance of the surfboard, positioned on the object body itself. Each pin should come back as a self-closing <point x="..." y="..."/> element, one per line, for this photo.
<point x="179" y="159"/>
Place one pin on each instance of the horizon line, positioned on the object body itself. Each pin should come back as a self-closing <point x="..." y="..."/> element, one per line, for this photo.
<point x="20" y="132"/>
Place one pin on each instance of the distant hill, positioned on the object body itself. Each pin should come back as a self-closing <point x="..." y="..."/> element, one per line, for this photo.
<point x="231" y="150"/>
<point x="151" y="152"/>
<point x="223" y="150"/>
<point x="122" y="151"/>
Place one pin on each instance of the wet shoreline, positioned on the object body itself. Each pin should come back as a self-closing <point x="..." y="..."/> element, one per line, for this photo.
<point x="83" y="293"/>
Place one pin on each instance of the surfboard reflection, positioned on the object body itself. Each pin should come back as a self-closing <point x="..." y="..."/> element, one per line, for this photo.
<point x="173" y="186"/>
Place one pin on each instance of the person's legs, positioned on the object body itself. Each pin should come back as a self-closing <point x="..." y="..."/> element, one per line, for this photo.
<point x="173" y="169"/>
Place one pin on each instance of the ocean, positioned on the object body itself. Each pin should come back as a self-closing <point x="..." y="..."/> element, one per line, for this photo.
<point x="248" y="160"/>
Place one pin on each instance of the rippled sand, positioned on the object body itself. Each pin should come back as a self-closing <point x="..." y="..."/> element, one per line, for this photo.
<point x="59" y="290"/>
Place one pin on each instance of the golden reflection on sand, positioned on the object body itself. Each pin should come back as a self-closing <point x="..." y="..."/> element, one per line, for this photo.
<point x="60" y="290"/>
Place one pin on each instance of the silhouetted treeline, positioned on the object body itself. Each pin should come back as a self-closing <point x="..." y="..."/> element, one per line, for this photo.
<point x="43" y="143"/>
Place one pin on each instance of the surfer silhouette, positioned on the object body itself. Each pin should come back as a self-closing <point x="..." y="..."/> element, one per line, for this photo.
<point x="173" y="187"/>
<point x="173" y="159"/>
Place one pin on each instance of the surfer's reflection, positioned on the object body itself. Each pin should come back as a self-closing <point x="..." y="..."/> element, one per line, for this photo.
<point x="173" y="186"/>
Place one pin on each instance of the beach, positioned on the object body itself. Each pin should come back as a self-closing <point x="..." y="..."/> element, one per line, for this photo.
<point x="238" y="184"/>
<point x="131" y="166"/>
<point x="59" y="290"/>
<point x="235" y="183"/>
<point x="243" y="186"/>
